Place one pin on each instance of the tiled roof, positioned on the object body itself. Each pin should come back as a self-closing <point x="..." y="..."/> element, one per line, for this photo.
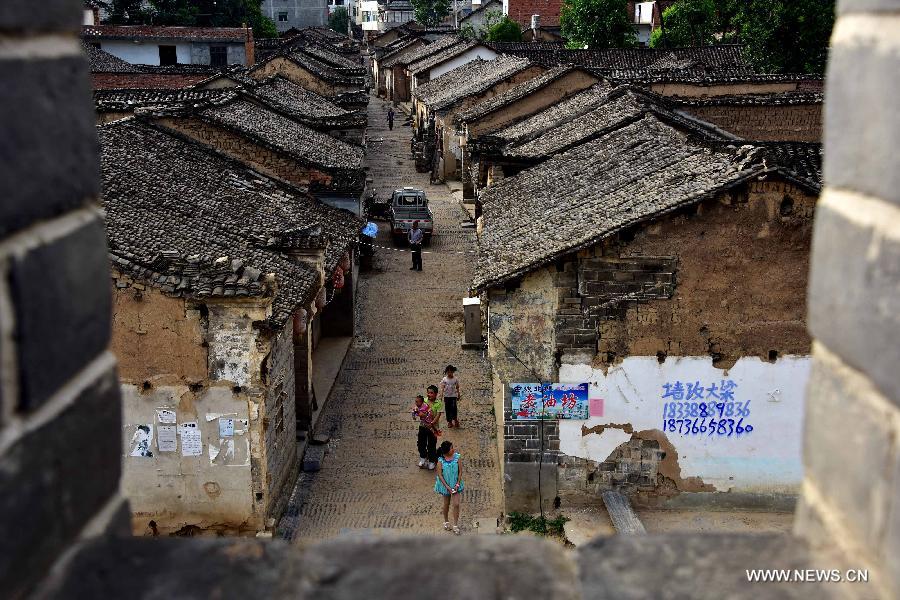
<point x="104" y="62"/>
<point x="206" y="34"/>
<point x="129" y="100"/>
<point x="396" y="54"/>
<point x="617" y="109"/>
<point x="444" y="55"/>
<point x="513" y="94"/>
<point x="579" y="197"/>
<point x="285" y="135"/>
<point x="438" y="45"/>
<point x="329" y="57"/>
<point x="722" y="56"/>
<point x="296" y="100"/>
<point x="800" y="162"/>
<point x="702" y="77"/>
<point x="473" y="78"/>
<point x="196" y="224"/>
<point x="326" y="72"/>
<point x="777" y="99"/>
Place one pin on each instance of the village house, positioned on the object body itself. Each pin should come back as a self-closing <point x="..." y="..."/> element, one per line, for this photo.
<point x="390" y="55"/>
<point x="668" y="273"/>
<point x="482" y="15"/>
<point x="287" y="14"/>
<point x="436" y="103"/>
<point x="521" y="11"/>
<point x="392" y="70"/>
<point x="111" y="72"/>
<point x="314" y="71"/>
<point x="567" y="124"/>
<point x="163" y="46"/>
<point x="223" y="281"/>
<point x="515" y="104"/>
<point x="273" y="144"/>
<point x="428" y="68"/>
<point x="296" y="38"/>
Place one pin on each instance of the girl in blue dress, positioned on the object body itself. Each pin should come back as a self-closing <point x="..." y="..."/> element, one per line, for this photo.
<point x="449" y="484"/>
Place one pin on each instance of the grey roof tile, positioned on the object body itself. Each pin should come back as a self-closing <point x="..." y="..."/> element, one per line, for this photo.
<point x="473" y="78"/>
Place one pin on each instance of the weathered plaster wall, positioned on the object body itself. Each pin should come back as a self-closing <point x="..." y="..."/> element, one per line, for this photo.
<point x="247" y="151"/>
<point x="799" y="123"/>
<point x="742" y="262"/>
<point x="230" y="486"/>
<point x="733" y="89"/>
<point x="766" y="460"/>
<point x="156" y="338"/>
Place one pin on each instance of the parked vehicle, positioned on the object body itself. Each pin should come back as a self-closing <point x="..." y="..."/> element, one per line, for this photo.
<point x="409" y="205"/>
<point x="377" y="208"/>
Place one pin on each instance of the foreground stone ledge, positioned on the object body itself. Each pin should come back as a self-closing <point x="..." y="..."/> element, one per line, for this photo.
<point x="470" y="567"/>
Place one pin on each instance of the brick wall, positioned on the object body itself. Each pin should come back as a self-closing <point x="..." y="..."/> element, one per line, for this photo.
<point x="280" y="422"/>
<point x="59" y="400"/>
<point x="520" y="11"/>
<point x="800" y="123"/>
<point x="851" y="494"/>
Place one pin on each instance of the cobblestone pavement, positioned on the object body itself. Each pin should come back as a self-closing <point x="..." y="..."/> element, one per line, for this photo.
<point x="409" y="327"/>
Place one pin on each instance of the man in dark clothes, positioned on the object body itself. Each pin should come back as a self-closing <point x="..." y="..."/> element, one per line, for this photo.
<point x="415" y="237"/>
<point x="391" y="118"/>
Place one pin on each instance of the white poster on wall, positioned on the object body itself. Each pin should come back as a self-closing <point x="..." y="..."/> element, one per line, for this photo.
<point x="191" y="444"/>
<point x="166" y="439"/>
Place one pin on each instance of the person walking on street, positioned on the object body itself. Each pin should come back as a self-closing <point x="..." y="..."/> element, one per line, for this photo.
<point x="450" y="394"/>
<point x="415" y="237"/>
<point x="449" y="484"/>
<point x="427" y="438"/>
<point x="390" y="115"/>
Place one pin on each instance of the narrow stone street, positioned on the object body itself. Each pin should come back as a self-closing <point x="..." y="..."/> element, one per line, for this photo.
<point x="409" y="327"/>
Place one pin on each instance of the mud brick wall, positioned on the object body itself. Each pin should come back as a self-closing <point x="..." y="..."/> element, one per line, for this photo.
<point x="588" y="291"/>
<point x="280" y="422"/>
<point x="633" y="467"/>
<point x="797" y="123"/>
<point x="246" y="151"/>
<point x="60" y="411"/>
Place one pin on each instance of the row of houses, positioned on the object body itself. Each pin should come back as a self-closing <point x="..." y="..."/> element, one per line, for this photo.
<point x="644" y="223"/>
<point x="233" y="217"/>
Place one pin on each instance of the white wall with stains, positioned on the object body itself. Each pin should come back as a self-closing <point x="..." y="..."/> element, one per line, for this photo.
<point x="768" y="396"/>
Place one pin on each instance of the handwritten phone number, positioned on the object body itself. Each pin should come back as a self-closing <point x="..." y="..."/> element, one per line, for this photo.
<point x="681" y="410"/>
<point x="721" y="427"/>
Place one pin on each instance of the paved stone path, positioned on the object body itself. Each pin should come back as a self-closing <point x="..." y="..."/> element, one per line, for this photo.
<point x="409" y="327"/>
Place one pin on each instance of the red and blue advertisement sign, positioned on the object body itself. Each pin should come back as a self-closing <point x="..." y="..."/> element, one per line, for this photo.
<point x="549" y="401"/>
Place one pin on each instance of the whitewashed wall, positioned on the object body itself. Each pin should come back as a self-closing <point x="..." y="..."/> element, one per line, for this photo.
<point x="768" y="459"/>
<point x="145" y="53"/>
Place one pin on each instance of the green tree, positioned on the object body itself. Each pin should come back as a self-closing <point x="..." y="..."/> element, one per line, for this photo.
<point x="686" y="23"/>
<point x="339" y="20"/>
<point x="125" y="12"/>
<point x="431" y="12"/>
<point x="505" y="30"/>
<point x="215" y="13"/>
<point x="786" y="36"/>
<point x="597" y="24"/>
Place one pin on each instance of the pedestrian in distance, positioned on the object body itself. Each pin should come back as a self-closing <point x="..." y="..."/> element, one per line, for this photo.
<point x="415" y="237"/>
<point x="426" y="442"/>
<point x="390" y="116"/>
<point x="449" y="484"/>
<point x="450" y="394"/>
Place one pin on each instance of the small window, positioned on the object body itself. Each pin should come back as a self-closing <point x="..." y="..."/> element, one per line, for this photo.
<point x="218" y="56"/>
<point x="167" y="55"/>
<point x="282" y="17"/>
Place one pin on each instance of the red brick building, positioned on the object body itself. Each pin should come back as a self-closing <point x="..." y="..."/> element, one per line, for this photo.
<point x="520" y="11"/>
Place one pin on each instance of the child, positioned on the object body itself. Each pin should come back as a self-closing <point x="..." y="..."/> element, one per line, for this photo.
<point x="450" y="392"/>
<point x="428" y="432"/>
<point x="449" y="484"/>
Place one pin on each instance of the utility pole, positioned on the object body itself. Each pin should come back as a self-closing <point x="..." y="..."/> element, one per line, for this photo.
<point x="455" y="16"/>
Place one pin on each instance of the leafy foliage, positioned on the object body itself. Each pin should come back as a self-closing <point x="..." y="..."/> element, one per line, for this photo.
<point x="539" y="525"/>
<point x="491" y="18"/>
<point x="339" y="20"/>
<point x="431" y="12"/>
<point x="213" y="13"/>
<point x="786" y="36"/>
<point x="686" y="23"/>
<point x="597" y="24"/>
<point x="505" y="30"/>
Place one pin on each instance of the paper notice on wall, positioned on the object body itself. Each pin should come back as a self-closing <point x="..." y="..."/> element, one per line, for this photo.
<point x="226" y="427"/>
<point x="141" y="441"/>
<point x="213" y="453"/>
<point x="191" y="444"/>
<point x="165" y="415"/>
<point x="166" y="438"/>
<point x="596" y="407"/>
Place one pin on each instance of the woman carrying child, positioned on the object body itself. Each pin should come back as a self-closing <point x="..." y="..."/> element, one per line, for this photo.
<point x="449" y="484"/>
